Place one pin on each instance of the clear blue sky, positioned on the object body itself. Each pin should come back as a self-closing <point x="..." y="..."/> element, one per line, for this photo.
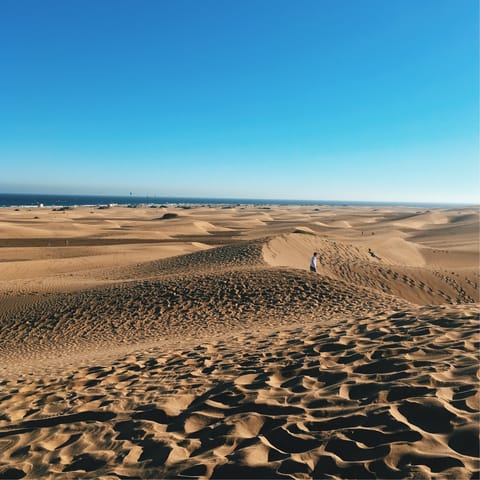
<point x="300" y="99"/>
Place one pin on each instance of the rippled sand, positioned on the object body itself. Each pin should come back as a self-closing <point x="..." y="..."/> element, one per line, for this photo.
<point x="199" y="346"/>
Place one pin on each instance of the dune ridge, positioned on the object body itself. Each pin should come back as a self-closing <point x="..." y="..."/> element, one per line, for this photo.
<point x="420" y="284"/>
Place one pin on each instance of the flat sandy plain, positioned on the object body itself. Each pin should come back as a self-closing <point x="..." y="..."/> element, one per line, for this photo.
<point x="199" y="346"/>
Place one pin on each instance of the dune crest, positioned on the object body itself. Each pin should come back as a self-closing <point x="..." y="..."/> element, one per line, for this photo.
<point x="355" y="264"/>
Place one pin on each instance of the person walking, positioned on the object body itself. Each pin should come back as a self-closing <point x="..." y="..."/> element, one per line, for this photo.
<point x="313" y="262"/>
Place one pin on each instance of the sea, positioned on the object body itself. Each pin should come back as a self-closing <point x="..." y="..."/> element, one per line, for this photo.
<point x="24" y="200"/>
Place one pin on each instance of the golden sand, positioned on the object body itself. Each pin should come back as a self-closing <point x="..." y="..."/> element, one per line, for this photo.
<point x="199" y="346"/>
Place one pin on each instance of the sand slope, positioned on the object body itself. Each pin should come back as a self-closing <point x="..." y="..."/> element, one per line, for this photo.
<point x="421" y="284"/>
<point x="208" y="351"/>
<point x="388" y="396"/>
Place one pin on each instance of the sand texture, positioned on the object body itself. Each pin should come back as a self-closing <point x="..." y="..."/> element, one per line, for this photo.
<point x="193" y="343"/>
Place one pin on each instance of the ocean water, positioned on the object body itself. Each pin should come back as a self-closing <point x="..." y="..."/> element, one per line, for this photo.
<point x="46" y="200"/>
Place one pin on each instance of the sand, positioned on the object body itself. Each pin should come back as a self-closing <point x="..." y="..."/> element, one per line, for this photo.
<point x="197" y="344"/>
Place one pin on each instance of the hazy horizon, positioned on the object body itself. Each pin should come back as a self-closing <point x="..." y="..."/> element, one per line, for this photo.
<point x="360" y="100"/>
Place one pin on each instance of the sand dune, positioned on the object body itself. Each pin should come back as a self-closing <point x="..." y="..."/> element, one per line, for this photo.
<point x="211" y="352"/>
<point x="383" y="273"/>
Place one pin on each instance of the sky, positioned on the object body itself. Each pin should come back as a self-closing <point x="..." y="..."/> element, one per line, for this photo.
<point x="308" y="99"/>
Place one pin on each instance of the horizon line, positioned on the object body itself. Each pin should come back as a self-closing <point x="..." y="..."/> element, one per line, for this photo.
<point x="249" y="199"/>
